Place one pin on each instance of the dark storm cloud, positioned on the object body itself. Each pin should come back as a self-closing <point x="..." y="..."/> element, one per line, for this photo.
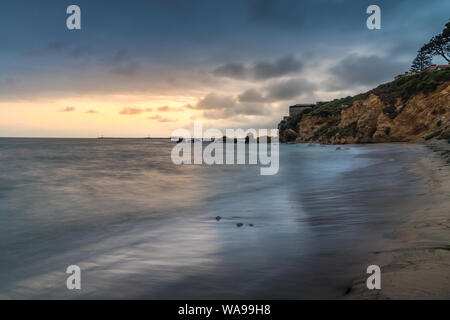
<point x="251" y="95"/>
<point x="280" y="67"/>
<point x="279" y="90"/>
<point x="356" y="70"/>
<point x="232" y="70"/>
<point x="215" y="106"/>
<point x="252" y="109"/>
<point x="215" y="101"/>
<point x="261" y="70"/>
<point x="288" y="89"/>
<point x="263" y="39"/>
<point x="238" y="109"/>
<point x="274" y="13"/>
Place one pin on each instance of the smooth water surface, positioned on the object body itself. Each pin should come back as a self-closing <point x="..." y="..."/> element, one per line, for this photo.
<point x="142" y="227"/>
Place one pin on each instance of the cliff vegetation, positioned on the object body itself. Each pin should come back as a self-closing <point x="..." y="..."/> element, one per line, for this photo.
<point x="414" y="107"/>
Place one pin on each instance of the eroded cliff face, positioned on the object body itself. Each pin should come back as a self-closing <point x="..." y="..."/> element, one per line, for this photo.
<point x="423" y="116"/>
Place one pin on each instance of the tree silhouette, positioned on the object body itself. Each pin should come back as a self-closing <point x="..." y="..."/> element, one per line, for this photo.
<point x="421" y="61"/>
<point x="439" y="45"/>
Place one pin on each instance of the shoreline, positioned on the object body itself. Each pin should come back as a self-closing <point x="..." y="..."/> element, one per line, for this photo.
<point x="415" y="263"/>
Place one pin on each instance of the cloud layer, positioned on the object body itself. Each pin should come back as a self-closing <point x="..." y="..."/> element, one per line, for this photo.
<point x="133" y="111"/>
<point x="68" y="109"/>
<point x="227" y="62"/>
<point x="261" y="70"/>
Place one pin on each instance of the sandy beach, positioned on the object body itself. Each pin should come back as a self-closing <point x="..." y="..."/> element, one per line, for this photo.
<point x="415" y="263"/>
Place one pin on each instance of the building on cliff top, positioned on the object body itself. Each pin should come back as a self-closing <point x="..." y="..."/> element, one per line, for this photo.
<point x="404" y="75"/>
<point x="296" y="109"/>
<point x="433" y="67"/>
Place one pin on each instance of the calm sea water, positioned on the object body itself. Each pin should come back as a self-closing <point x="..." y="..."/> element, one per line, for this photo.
<point x="141" y="227"/>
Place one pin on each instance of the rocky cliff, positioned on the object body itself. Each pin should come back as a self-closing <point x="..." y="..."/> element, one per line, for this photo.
<point x="412" y="108"/>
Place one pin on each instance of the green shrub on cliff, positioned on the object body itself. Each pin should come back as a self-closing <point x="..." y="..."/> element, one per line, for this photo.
<point x="333" y="107"/>
<point x="349" y="130"/>
<point x="408" y="86"/>
<point x="328" y="130"/>
<point x="291" y="122"/>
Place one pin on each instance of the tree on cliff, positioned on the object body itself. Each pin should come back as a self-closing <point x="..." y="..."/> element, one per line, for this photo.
<point x="421" y="61"/>
<point x="439" y="45"/>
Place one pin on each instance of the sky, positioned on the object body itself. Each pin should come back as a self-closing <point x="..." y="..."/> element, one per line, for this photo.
<point x="145" y="68"/>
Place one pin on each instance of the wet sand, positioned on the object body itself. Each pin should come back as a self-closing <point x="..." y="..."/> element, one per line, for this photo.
<point x="415" y="263"/>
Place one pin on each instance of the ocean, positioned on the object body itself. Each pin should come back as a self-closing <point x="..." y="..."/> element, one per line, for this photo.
<point x="140" y="227"/>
